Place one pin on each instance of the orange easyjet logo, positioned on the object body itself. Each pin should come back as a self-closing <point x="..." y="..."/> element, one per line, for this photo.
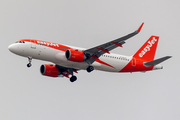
<point x="148" y="47"/>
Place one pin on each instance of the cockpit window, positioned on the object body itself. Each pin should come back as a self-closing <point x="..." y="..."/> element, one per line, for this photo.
<point x="20" y="42"/>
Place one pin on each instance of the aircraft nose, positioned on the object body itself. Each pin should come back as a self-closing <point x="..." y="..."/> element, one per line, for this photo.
<point x="12" y="48"/>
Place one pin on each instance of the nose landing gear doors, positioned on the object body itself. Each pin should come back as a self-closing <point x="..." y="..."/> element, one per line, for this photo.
<point x="33" y="44"/>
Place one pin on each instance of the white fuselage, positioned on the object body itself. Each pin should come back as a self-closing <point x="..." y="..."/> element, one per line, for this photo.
<point x="107" y="62"/>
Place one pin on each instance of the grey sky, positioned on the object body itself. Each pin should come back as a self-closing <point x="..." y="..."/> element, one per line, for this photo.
<point x="27" y="95"/>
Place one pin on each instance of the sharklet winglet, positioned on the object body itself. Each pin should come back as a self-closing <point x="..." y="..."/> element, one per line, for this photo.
<point x="140" y="27"/>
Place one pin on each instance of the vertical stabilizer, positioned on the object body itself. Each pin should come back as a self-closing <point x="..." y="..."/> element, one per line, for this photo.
<point x="148" y="50"/>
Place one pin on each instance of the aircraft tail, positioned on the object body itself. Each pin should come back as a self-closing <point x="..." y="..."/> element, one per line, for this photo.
<point x="148" y="50"/>
<point x="157" y="61"/>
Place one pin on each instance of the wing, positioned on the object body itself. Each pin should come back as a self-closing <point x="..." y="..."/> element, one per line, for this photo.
<point x="95" y="52"/>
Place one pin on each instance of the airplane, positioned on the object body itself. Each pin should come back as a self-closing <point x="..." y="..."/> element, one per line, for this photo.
<point x="68" y="60"/>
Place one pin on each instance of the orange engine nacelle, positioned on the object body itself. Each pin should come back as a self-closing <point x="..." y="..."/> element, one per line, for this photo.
<point x="75" y="55"/>
<point x="49" y="70"/>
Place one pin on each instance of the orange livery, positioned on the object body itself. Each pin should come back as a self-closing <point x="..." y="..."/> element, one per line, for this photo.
<point x="68" y="59"/>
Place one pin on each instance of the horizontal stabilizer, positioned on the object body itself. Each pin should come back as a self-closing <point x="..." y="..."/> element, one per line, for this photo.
<point x="155" y="62"/>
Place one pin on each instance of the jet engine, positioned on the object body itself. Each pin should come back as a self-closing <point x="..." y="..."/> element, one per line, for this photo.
<point x="49" y="70"/>
<point x="75" y="55"/>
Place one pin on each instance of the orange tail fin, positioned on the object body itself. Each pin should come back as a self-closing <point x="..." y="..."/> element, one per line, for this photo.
<point x="148" y="50"/>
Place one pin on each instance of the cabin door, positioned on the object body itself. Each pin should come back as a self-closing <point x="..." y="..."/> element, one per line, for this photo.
<point x="33" y="44"/>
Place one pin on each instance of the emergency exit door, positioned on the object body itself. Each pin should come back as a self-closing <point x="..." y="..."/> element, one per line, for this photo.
<point x="133" y="62"/>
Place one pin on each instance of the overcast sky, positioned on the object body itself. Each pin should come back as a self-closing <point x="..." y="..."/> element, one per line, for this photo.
<point x="27" y="95"/>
